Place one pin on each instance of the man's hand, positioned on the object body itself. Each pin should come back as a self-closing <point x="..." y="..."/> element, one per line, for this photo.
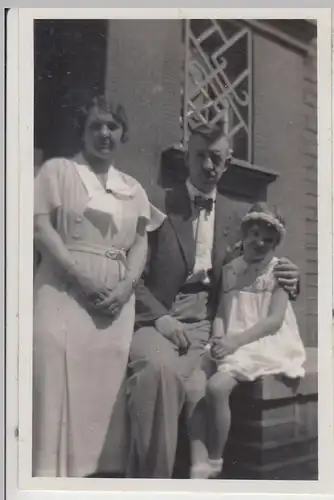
<point x="287" y="274"/>
<point x="224" y="346"/>
<point x="174" y="331"/>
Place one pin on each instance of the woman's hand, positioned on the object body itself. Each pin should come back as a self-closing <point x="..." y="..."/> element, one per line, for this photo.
<point x="115" y="299"/>
<point x="88" y="287"/>
<point x="287" y="274"/>
<point x="224" y="346"/>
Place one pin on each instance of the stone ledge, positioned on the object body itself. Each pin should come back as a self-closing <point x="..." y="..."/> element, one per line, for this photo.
<point x="246" y="179"/>
<point x="271" y="429"/>
<point x="279" y="387"/>
<point x="274" y="433"/>
<point x="263" y="452"/>
<point x="301" y="468"/>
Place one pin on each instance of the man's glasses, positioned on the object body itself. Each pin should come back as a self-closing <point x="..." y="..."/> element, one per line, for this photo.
<point x="217" y="159"/>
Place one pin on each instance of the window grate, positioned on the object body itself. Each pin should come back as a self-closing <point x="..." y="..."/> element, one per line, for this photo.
<point x="218" y="80"/>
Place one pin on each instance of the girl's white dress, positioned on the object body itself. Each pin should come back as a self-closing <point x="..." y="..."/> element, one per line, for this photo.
<point x="247" y="292"/>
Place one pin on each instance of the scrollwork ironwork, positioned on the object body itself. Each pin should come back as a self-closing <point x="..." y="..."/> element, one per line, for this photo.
<point x="218" y="70"/>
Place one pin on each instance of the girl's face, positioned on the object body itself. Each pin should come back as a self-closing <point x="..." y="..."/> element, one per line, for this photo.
<point x="260" y="239"/>
<point x="102" y="134"/>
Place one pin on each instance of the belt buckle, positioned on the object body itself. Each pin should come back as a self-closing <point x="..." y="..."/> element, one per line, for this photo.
<point x="111" y="253"/>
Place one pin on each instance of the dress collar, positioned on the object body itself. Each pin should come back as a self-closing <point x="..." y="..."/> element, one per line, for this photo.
<point x="116" y="181"/>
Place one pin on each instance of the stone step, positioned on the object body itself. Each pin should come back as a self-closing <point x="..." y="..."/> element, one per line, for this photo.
<point x="303" y="407"/>
<point x="302" y="468"/>
<point x="293" y="421"/>
<point x="265" y="430"/>
<point x="257" y="453"/>
<point x="279" y="387"/>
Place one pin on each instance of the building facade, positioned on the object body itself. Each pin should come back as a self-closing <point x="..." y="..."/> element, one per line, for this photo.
<point x="259" y="76"/>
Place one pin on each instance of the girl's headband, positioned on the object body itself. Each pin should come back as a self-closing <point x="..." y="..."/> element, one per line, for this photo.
<point x="266" y="217"/>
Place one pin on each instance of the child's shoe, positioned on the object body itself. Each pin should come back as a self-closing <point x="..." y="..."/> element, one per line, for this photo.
<point x="216" y="467"/>
<point x="201" y="470"/>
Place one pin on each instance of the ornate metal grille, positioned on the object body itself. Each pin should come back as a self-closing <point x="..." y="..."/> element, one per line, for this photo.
<point x="218" y="80"/>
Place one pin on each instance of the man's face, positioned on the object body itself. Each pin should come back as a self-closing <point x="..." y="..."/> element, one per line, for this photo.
<point x="102" y="134"/>
<point x="206" y="162"/>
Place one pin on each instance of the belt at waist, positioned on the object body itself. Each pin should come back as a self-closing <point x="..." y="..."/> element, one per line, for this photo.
<point x="109" y="252"/>
<point x="197" y="287"/>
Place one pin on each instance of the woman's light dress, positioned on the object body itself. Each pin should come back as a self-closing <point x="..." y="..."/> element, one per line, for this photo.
<point x="80" y="358"/>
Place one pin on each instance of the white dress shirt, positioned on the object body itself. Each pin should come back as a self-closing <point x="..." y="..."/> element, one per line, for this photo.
<point x="203" y="227"/>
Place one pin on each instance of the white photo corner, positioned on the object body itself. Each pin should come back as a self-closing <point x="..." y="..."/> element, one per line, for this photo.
<point x="170" y="252"/>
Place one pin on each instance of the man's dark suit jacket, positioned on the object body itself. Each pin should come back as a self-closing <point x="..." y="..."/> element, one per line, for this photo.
<point x="171" y="255"/>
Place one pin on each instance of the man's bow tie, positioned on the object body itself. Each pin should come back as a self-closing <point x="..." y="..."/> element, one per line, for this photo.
<point x="203" y="203"/>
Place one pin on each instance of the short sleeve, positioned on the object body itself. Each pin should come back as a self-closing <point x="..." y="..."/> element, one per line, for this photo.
<point x="142" y="203"/>
<point x="46" y="188"/>
<point x="153" y="217"/>
<point x="156" y="218"/>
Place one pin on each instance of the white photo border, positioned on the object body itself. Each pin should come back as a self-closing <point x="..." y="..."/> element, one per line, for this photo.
<point x="19" y="244"/>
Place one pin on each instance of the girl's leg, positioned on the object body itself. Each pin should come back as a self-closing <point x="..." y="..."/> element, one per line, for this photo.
<point x="196" y="421"/>
<point x="219" y="389"/>
<point x="197" y="433"/>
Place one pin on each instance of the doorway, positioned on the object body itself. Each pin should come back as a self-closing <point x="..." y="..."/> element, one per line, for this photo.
<point x="70" y="59"/>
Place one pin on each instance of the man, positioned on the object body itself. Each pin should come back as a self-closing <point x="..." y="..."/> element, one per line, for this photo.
<point x="176" y="301"/>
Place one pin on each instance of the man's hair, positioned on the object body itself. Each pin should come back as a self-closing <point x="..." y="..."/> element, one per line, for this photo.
<point x="210" y="132"/>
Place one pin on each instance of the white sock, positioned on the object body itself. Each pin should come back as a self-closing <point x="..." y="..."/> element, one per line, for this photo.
<point x="200" y="470"/>
<point x="216" y="465"/>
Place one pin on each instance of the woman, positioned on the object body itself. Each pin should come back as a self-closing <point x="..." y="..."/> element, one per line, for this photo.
<point x="90" y="227"/>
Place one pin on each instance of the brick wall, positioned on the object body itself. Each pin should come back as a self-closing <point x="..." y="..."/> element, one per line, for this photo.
<point x="278" y="142"/>
<point x="285" y="140"/>
<point x="144" y="71"/>
<point x="310" y="190"/>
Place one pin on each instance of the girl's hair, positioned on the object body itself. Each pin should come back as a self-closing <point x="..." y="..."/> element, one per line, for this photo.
<point x="261" y="212"/>
<point x="100" y="102"/>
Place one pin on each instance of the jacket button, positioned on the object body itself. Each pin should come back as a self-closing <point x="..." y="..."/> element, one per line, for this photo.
<point x="79" y="218"/>
<point x="225" y="232"/>
<point x="76" y="235"/>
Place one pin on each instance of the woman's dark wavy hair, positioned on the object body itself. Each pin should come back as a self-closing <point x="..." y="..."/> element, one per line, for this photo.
<point x="82" y="109"/>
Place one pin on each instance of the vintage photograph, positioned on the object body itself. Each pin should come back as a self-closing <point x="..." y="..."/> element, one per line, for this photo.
<point x="175" y="249"/>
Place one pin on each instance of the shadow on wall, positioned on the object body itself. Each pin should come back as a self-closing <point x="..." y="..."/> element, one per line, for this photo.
<point x="173" y="169"/>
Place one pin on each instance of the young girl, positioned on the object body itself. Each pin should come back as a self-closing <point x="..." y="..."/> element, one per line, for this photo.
<point x="255" y="332"/>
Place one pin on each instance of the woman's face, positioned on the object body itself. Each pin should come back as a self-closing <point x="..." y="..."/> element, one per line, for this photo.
<point x="259" y="240"/>
<point x="102" y="134"/>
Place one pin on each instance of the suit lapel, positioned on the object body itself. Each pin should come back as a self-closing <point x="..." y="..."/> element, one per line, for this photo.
<point x="180" y="216"/>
